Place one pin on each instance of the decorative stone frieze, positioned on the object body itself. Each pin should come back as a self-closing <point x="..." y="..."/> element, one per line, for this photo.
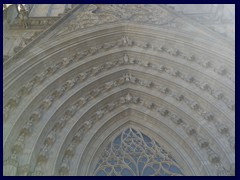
<point x="38" y="79"/>
<point x="191" y="130"/>
<point x="202" y="142"/>
<point x="10" y="166"/>
<point x="129" y="78"/>
<point x="213" y="157"/>
<point x="19" y="144"/>
<point x="80" y="79"/>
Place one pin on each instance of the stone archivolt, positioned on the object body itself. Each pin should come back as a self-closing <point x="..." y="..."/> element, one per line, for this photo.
<point x="38" y="79"/>
<point x="46" y="103"/>
<point x="203" y="143"/>
<point x="126" y="80"/>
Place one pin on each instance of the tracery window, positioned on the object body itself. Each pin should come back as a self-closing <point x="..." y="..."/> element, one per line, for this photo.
<point x="132" y="153"/>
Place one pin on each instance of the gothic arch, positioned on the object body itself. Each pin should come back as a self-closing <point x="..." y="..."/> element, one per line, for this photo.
<point x="158" y="73"/>
<point x="136" y="123"/>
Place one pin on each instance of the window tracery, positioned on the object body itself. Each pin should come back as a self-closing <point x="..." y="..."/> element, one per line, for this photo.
<point x="132" y="153"/>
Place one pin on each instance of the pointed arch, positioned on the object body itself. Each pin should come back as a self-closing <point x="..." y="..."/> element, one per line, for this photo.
<point x="132" y="153"/>
<point x="150" y="65"/>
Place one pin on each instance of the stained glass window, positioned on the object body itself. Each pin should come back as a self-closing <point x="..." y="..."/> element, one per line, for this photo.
<point x="132" y="153"/>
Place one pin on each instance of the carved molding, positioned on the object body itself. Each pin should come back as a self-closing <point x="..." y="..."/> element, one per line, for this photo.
<point x="127" y="78"/>
<point x="38" y="79"/>
<point x="196" y="104"/>
<point x="213" y="157"/>
<point x="93" y="15"/>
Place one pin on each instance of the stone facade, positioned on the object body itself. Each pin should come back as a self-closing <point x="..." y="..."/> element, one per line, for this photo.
<point x="79" y="77"/>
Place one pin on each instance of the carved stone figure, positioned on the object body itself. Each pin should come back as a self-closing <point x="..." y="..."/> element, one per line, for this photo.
<point x="146" y="63"/>
<point x="189" y="78"/>
<point x="194" y="105"/>
<point x="121" y="80"/>
<point x="109" y="65"/>
<point x="173" y="52"/>
<point x="66" y="61"/>
<point x="146" y="83"/>
<point x="93" y="50"/>
<point x="202" y="142"/>
<point x="78" y="137"/>
<point x="218" y="94"/>
<point x="128" y="98"/>
<point x="40" y="78"/>
<point x="11" y="165"/>
<point x="6" y="111"/>
<point x="206" y="63"/>
<point x="178" y="96"/>
<point x="190" y="130"/>
<point x="204" y="86"/>
<point x="221" y="70"/>
<point x="59" y="92"/>
<point x="163" y="111"/>
<point x="175" y="119"/>
<point x="43" y="155"/>
<point x="230" y="104"/>
<point x="150" y="105"/>
<point x="175" y="72"/>
<point x="95" y="92"/>
<point x="96" y="70"/>
<point x="82" y="76"/>
<point x="27" y="129"/>
<point x="130" y="78"/>
<point x="222" y="171"/>
<point x="82" y="101"/>
<point x="135" y="99"/>
<point x="35" y="116"/>
<point x="164" y="90"/>
<point x="208" y="116"/>
<point x="231" y="141"/>
<point x="51" y="70"/>
<point x="72" y="110"/>
<point x="23" y="16"/>
<point x="13" y="101"/>
<point x="108" y="45"/>
<point x="70" y="83"/>
<point x="61" y="123"/>
<point x="64" y="169"/>
<point x="108" y="85"/>
<point x="222" y="128"/>
<point x="212" y="156"/>
<point x="26" y="89"/>
<point x="71" y="149"/>
<point x="111" y="106"/>
<point x="46" y="103"/>
<point x="51" y="137"/>
<point x="126" y="59"/>
<point x="19" y="144"/>
<point x="99" y="114"/>
<point x="87" y="124"/>
<point x="126" y="41"/>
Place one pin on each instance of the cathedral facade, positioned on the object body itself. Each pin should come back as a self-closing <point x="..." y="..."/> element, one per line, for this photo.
<point x="119" y="90"/>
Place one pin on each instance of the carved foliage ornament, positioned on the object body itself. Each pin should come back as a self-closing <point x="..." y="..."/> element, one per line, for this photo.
<point x="38" y="79"/>
<point x="129" y="78"/>
<point x="111" y="160"/>
<point x="36" y="115"/>
<point x="93" y="15"/>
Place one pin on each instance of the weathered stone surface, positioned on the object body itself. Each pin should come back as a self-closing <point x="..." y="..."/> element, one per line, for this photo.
<point x="103" y="71"/>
